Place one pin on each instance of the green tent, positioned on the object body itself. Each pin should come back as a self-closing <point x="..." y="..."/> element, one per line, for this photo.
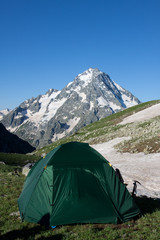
<point x="75" y="184"/>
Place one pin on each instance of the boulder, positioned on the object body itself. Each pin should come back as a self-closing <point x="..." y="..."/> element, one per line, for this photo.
<point x="27" y="168"/>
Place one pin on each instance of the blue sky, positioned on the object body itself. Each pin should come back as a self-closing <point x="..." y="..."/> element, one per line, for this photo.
<point x="46" y="43"/>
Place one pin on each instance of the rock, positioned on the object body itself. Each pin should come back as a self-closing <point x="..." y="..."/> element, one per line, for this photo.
<point x="15" y="214"/>
<point x="43" y="155"/>
<point x="27" y="168"/>
<point x="2" y="163"/>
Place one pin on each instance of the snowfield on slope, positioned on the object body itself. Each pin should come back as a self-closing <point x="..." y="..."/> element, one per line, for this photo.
<point x="134" y="166"/>
<point x="143" y="115"/>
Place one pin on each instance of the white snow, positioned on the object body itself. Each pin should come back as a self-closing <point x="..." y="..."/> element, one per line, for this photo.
<point x="137" y="166"/>
<point x="12" y="129"/>
<point x="3" y="113"/>
<point x="1" y="117"/>
<point x="83" y="96"/>
<point x="143" y="115"/>
<point x="18" y="116"/>
<point x="58" y="136"/>
<point x="91" y="105"/>
<point x="114" y="106"/>
<point x="102" y="102"/>
<point x="128" y="102"/>
<point x="71" y="123"/>
<point x="44" y="100"/>
<point x="69" y="84"/>
<point x="42" y="116"/>
<point x="77" y="89"/>
<point x="68" y="91"/>
<point x="86" y="77"/>
<point x="53" y="107"/>
<point x="118" y="87"/>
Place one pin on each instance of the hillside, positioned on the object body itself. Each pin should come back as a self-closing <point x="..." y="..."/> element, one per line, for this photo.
<point x="10" y="143"/>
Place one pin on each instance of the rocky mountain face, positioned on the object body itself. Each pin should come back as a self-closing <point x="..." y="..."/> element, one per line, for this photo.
<point x="10" y="143"/>
<point x="91" y="96"/>
<point x="3" y="113"/>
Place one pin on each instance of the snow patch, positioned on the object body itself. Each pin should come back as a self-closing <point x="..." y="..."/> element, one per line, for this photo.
<point x="143" y="115"/>
<point x="69" y="84"/>
<point x="118" y="87"/>
<point x="52" y="108"/>
<point x="128" y="101"/>
<point x="134" y="166"/>
<point x="77" y="89"/>
<point x="42" y="115"/>
<point x="3" y="113"/>
<point x="83" y="96"/>
<point x="58" y="136"/>
<point x="86" y="76"/>
<point x="102" y="102"/>
<point x="71" y="123"/>
<point x="91" y="105"/>
<point x="114" y="106"/>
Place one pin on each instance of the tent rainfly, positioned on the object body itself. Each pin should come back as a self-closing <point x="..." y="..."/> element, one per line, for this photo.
<point x="75" y="184"/>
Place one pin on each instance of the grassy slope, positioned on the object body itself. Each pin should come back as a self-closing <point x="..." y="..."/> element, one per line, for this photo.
<point x="11" y="182"/>
<point x="17" y="159"/>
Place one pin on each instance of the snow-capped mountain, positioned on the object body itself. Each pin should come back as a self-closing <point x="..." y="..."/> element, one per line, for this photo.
<point x="91" y="96"/>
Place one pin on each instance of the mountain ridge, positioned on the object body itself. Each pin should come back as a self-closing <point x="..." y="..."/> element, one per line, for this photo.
<point x="91" y="96"/>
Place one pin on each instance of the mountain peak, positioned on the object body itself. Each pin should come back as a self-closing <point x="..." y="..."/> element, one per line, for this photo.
<point x="87" y="75"/>
<point x="50" y="91"/>
<point x="91" y="71"/>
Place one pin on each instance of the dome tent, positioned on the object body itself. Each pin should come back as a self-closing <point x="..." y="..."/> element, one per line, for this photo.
<point x="75" y="184"/>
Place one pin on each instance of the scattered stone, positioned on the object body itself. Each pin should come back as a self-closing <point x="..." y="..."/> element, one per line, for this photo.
<point x="15" y="214"/>
<point x="43" y="155"/>
<point x="2" y="163"/>
<point x="27" y="168"/>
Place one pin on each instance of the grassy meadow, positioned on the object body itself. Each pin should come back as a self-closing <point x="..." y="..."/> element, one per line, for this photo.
<point x="11" y="227"/>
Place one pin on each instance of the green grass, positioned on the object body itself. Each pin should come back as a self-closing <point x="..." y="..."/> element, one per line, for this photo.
<point x="11" y="227"/>
<point x="17" y="159"/>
